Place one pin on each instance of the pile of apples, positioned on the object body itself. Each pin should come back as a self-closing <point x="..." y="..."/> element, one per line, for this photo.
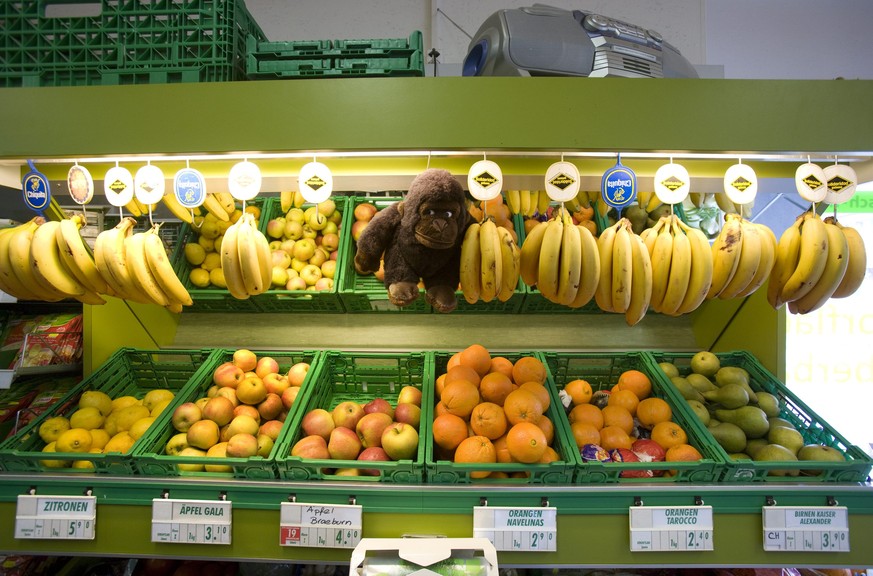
<point x="373" y="431"/>
<point x="304" y="243"/>
<point x="363" y="213"/>
<point x="204" y="253"/>
<point x="241" y="414"/>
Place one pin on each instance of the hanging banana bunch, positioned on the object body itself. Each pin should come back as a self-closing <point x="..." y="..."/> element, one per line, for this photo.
<point x="625" y="283"/>
<point x="245" y="258"/>
<point x="743" y="255"/>
<point x="490" y="262"/>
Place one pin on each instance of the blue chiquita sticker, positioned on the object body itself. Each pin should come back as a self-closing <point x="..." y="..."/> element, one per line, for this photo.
<point x="189" y="186"/>
<point x="36" y="189"/>
<point x="618" y="187"/>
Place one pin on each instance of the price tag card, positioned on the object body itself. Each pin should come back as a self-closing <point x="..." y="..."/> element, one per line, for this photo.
<point x="56" y="517"/>
<point x="670" y="528"/>
<point x="191" y="521"/>
<point x="320" y="525"/>
<point x="511" y="528"/>
<point x="806" y="528"/>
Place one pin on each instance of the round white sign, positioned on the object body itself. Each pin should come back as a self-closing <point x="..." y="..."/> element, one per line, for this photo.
<point x="740" y="183"/>
<point x="148" y="185"/>
<point x="81" y="184"/>
<point x="118" y="186"/>
<point x="244" y="181"/>
<point x="672" y="183"/>
<point x="840" y="182"/>
<point x="810" y="181"/>
<point x="485" y="180"/>
<point x="315" y="182"/>
<point x="562" y="181"/>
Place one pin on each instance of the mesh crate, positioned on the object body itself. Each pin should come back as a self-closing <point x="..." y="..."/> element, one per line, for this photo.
<point x="162" y="41"/>
<point x="814" y="429"/>
<point x="128" y="372"/>
<point x="359" y="377"/>
<point x="150" y="455"/>
<point x="442" y="470"/>
<point x="602" y="371"/>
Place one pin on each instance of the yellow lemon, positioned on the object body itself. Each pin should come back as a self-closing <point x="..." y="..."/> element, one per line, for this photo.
<point x="111" y="424"/>
<point x="88" y="418"/>
<point x="155" y="397"/>
<point x="50" y="447"/>
<point x="87" y="464"/>
<point x="74" y="440"/>
<point x="52" y="428"/>
<point x="123" y="402"/>
<point x="96" y="399"/>
<point x="127" y="416"/>
<point x="158" y="408"/>
<point x="216" y="277"/>
<point x="140" y="426"/>
<point x="121" y="442"/>
<point x="99" y="438"/>
<point x="199" y="277"/>
<point x="194" y="253"/>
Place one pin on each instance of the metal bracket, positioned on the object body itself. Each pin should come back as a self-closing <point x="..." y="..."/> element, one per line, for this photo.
<point x="769" y="501"/>
<point x="832" y="501"/>
<point x="165" y="493"/>
<point x="292" y="497"/>
<point x="698" y="501"/>
<point x="483" y="501"/>
<point x="544" y="501"/>
<point x="32" y="490"/>
<point x="638" y="501"/>
<point x="353" y="500"/>
<point x="89" y="491"/>
<point x="222" y="495"/>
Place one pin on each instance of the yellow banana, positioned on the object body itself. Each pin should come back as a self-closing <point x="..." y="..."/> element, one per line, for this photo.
<point x="530" y="254"/>
<point x="643" y="199"/>
<point x="543" y="201"/>
<point x="570" y="269"/>
<point x="491" y="269"/>
<point x="286" y="200"/>
<point x="857" y="263"/>
<point x="749" y="260"/>
<point x="213" y="206"/>
<point x="299" y="200"/>
<point x="140" y="273"/>
<point x="835" y="269"/>
<point x="582" y="199"/>
<point x="572" y="205"/>
<point x="653" y="203"/>
<point x="680" y="270"/>
<point x="701" y="269"/>
<point x="162" y="270"/>
<point x="811" y="260"/>
<point x="133" y="208"/>
<point x="726" y="250"/>
<point x="46" y="263"/>
<point x="662" y="257"/>
<point x="9" y="282"/>
<point x="227" y="201"/>
<point x="524" y="203"/>
<point x="641" y="282"/>
<point x="724" y="203"/>
<point x="550" y="263"/>
<point x="602" y="208"/>
<point x="510" y="255"/>
<point x="90" y="297"/>
<point x="19" y="262"/>
<point x="768" y="243"/>
<point x="605" y="242"/>
<point x="471" y="263"/>
<point x="650" y="235"/>
<point x="249" y="264"/>
<point x="230" y="263"/>
<point x="513" y="201"/>
<point x="589" y="277"/>
<point x="111" y="260"/>
<point x="179" y="211"/>
<point x="265" y="258"/>
<point x="787" y="253"/>
<point x="77" y="256"/>
<point x="697" y="198"/>
<point x="622" y="268"/>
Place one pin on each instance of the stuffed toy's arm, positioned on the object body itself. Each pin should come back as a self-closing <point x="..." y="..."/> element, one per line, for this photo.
<point x="375" y="238"/>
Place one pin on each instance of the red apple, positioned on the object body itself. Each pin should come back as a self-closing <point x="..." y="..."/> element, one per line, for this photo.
<point x="311" y="447"/>
<point x="219" y="410"/>
<point x="245" y="359"/>
<point x="265" y="445"/>
<point x="295" y="283"/>
<point x="289" y="395"/>
<point x="230" y="394"/>
<point x="373" y="454"/>
<point x="246" y="410"/>
<point x="275" y="383"/>
<point x="266" y="365"/>
<point x="365" y="211"/>
<point x="347" y="413"/>
<point x="400" y="441"/>
<point x="203" y="434"/>
<point x="271" y="428"/>
<point x="185" y="415"/>
<point x="297" y="373"/>
<point x="370" y="428"/>
<point x="379" y="405"/>
<point x="330" y="241"/>
<point x="323" y="284"/>
<point x="409" y="413"/>
<point x="270" y="407"/>
<point x="227" y="375"/>
<point x="242" y="445"/>
<point x="409" y="395"/>
<point x="358" y="227"/>
<point x="251" y="391"/>
<point x="318" y="422"/>
<point x="343" y="444"/>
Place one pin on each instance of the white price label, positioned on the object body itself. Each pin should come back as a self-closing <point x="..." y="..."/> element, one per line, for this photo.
<point x="56" y="517"/>
<point x="191" y="521"/>
<point x="320" y="525"/>
<point x="511" y="528"/>
<point x="670" y="528"/>
<point x="807" y="529"/>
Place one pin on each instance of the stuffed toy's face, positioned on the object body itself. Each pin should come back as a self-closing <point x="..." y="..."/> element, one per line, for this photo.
<point x="439" y="223"/>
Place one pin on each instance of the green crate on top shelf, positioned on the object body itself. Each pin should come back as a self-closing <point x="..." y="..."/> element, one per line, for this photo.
<point x="150" y="456"/>
<point x="366" y="293"/>
<point x="128" y="372"/>
<point x="359" y="377"/>
<point x="812" y="427"/>
<point x="602" y="371"/>
<point x="163" y="41"/>
<point x="443" y="471"/>
<point x="413" y="65"/>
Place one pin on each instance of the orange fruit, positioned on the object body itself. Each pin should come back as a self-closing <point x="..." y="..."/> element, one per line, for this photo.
<point x="548" y="428"/>
<point x="501" y="364"/>
<point x="615" y="437"/>
<point x="636" y="382"/>
<point x="527" y="369"/>
<point x="579" y="390"/>
<point x="683" y="453"/>
<point x="439" y="384"/>
<point x="653" y="410"/>
<point x="618" y="416"/>
<point x="476" y="449"/>
<point x="448" y="431"/>
<point x="488" y="419"/>
<point x="541" y="391"/>
<point x="526" y="442"/>
<point x="498" y="475"/>
<point x="585" y="433"/>
<point x="624" y="398"/>
<point x="454" y="360"/>
<point x="669" y="434"/>
<point x="462" y="372"/>
<point x="522" y="406"/>
<point x="440" y="408"/>
<point x="460" y="397"/>
<point x="550" y="455"/>
<point x="495" y="387"/>
<point x="587" y="413"/>
<point x="502" y="451"/>
<point x="476" y="357"/>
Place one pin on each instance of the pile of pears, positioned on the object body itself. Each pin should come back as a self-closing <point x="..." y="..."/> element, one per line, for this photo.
<point x="746" y="423"/>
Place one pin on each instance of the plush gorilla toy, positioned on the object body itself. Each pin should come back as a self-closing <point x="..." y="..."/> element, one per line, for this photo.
<point x="421" y="239"/>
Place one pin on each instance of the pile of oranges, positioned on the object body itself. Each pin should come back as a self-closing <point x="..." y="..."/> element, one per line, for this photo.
<point x="628" y="412"/>
<point x="493" y="410"/>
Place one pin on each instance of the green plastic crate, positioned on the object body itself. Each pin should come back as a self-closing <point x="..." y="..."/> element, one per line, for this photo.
<point x="128" y="372"/>
<point x="813" y="428"/>
<point x="365" y="293"/>
<point x="359" y="377"/>
<point x="602" y="371"/>
<point x="150" y="457"/>
<point x="161" y="41"/>
<point x="441" y="471"/>
<point x="412" y="65"/>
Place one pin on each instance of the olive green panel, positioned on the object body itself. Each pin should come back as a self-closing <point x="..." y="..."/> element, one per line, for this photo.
<point x="439" y="113"/>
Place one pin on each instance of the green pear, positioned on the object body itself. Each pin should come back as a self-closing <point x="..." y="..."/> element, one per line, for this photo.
<point x="819" y="453"/>
<point x="700" y="411"/>
<point x="768" y="403"/>
<point x="701" y="382"/>
<point x="776" y="422"/>
<point x="669" y="369"/>
<point x="686" y="389"/>
<point x="705" y="363"/>
<point x="755" y="444"/>
<point x="729" y="396"/>
<point x="751" y="419"/>
<point x="730" y="436"/>
<point x="739" y="456"/>
<point x="787" y="437"/>
<point x="731" y="374"/>
<point x="777" y="453"/>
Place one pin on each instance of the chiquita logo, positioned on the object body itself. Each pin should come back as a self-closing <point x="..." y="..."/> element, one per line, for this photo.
<point x="484" y="179"/>
<point x="244" y="181"/>
<point x="672" y="183"/>
<point x="562" y="181"/>
<point x="147" y="186"/>
<point x="118" y="186"/>
<point x="812" y="182"/>
<point x="741" y="184"/>
<point x="837" y="183"/>
<point x="315" y="182"/>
